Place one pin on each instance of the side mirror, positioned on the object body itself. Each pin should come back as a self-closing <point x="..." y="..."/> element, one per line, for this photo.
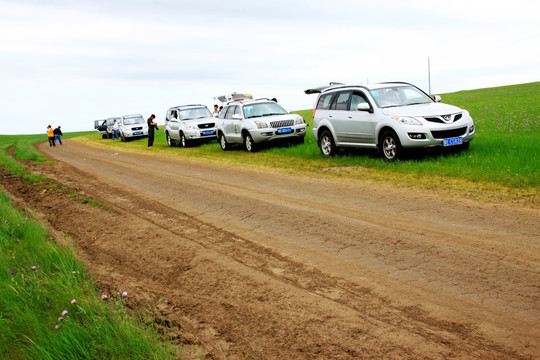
<point x="237" y="117"/>
<point x="437" y="98"/>
<point x="364" y="107"/>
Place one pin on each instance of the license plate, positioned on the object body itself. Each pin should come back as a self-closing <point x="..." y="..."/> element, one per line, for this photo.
<point x="453" y="141"/>
<point x="208" y="132"/>
<point x="284" y="131"/>
<point x="137" y="133"/>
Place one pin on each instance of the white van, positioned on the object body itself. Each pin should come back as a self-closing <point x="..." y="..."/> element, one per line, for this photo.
<point x="132" y="126"/>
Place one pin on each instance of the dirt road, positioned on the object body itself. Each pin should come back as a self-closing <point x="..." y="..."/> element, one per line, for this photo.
<point x="250" y="264"/>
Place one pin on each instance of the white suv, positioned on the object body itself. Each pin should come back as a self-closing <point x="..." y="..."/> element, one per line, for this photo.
<point x="387" y="116"/>
<point x="132" y="126"/>
<point x="187" y="124"/>
<point x="253" y="122"/>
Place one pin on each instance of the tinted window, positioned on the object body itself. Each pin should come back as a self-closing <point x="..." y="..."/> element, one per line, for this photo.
<point x="324" y="101"/>
<point x="356" y="99"/>
<point x="230" y="112"/>
<point x="341" y="101"/>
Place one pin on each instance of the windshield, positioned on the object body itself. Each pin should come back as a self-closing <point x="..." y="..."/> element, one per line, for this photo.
<point x="263" y="109"/>
<point x="399" y="96"/>
<point x="133" y="120"/>
<point x="195" y="113"/>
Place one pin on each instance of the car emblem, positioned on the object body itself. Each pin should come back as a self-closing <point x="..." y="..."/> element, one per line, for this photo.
<point x="447" y="117"/>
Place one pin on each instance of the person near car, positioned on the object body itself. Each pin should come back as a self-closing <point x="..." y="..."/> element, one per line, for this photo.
<point x="220" y="108"/>
<point x="115" y="131"/>
<point x="50" y="135"/>
<point x="58" y="135"/>
<point x="216" y="111"/>
<point x="151" y="127"/>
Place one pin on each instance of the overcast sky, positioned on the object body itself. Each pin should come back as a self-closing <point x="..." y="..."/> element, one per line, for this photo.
<point x="70" y="62"/>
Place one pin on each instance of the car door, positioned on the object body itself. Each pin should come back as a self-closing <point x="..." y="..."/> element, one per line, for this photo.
<point x="338" y="116"/>
<point x="174" y="123"/>
<point x="360" y="123"/>
<point x="232" y="124"/>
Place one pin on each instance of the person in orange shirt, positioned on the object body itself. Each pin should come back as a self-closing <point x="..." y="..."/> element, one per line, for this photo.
<point x="50" y="134"/>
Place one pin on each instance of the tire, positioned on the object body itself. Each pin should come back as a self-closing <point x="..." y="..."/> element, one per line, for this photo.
<point x="170" y="141"/>
<point x="389" y="146"/>
<point x="223" y="143"/>
<point x="183" y="141"/>
<point x="327" y="144"/>
<point x="122" y="137"/>
<point x="249" y="144"/>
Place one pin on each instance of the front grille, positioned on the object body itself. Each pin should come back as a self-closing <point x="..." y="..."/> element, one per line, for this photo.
<point x="207" y="125"/>
<point x="441" y="119"/>
<point x="136" y="128"/>
<point x="282" y="123"/>
<point x="445" y="134"/>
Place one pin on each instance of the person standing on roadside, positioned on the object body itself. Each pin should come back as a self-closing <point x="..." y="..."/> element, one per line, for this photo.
<point x="151" y="127"/>
<point x="216" y="112"/>
<point x="57" y="135"/>
<point x="50" y="135"/>
<point x="115" y="130"/>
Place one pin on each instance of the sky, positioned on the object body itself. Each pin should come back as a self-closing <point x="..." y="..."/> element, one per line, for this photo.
<point x="70" y="62"/>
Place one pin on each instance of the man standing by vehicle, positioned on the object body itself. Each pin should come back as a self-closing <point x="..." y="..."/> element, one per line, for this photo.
<point x="151" y="126"/>
<point x="216" y="112"/>
<point x="50" y="135"/>
<point x="115" y="131"/>
<point x="57" y="135"/>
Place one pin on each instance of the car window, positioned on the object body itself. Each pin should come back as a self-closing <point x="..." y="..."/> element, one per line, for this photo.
<point x="399" y="96"/>
<point x="195" y="113"/>
<point x="341" y="101"/>
<point x="263" y="109"/>
<point x="324" y="101"/>
<point x="356" y="99"/>
<point x="230" y="112"/>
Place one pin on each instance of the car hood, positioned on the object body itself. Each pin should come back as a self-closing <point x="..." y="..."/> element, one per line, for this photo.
<point x="200" y="121"/>
<point x="276" y="117"/>
<point x="431" y="109"/>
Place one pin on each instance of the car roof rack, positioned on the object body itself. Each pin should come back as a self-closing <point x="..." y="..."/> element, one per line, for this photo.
<point x="321" y="88"/>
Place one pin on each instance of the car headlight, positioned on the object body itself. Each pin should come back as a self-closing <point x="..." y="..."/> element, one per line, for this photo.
<point x="191" y="127"/>
<point x="405" y="120"/>
<point x="261" y="124"/>
<point x="298" y="120"/>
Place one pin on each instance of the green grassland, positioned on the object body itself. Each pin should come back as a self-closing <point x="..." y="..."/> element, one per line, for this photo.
<point x="500" y="165"/>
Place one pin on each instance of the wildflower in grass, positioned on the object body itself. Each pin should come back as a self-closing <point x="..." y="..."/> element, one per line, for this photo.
<point x="6" y="221"/>
<point x="26" y="219"/>
<point x="18" y="225"/>
<point x="73" y="272"/>
<point x="64" y="313"/>
<point x="124" y="294"/>
<point x="103" y="297"/>
<point x="60" y="319"/>
<point x="34" y="267"/>
<point x="73" y="302"/>
<point x="10" y="272"/>
<point x="56" y="327"/>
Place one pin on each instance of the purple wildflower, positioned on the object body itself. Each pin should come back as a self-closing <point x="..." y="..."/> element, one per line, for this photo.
<point x="124" y="294"/>
<point x="64" y="313"/>
<point x="34" y="267"/>
<point x="73" y="272"/>
<point x="60" y="319"/>
<point x="73" y="302"/>
<point x="103" y="297"/>
<point x="10" y="272"/>
<point x="56" y="327"/>
<point x="6" y="221"/>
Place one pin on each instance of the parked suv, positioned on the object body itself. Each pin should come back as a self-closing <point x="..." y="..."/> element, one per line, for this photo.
<point x="187" y="124"/>
<point x="253" y="122"/>
<point x="132" y="126"/>
<point x="388" y="116"/>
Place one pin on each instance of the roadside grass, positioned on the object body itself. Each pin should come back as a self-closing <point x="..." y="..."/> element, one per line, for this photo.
<point x="39" y="280"/>
<point x="500" y="165"/>
<point x="49" y="307"/>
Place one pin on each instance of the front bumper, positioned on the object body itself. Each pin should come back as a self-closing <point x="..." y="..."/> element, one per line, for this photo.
<point x="271" y="134"/>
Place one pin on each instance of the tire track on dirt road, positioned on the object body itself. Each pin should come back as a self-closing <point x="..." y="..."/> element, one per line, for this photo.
<point x="356" y="260"/>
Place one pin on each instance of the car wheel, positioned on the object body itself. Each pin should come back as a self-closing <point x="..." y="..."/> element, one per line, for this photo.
<point x="327" y="145"/>
<point x="389" y="146"/>
<point x="223" y="143"/>
<point x="249" y="145"/>
<point x="122" y="137"/>
<point x="183" y="141"/>
<point x="170" y="141"/>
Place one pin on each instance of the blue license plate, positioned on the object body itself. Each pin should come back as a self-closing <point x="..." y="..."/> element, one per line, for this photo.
<point x="284" y="131"/>
<point x="453" y="141"/>
<point x="208" y="132"/>
<point x="137" y="133"/>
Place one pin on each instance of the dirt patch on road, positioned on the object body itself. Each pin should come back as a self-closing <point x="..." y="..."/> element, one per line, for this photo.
<point x="242" y="264"/>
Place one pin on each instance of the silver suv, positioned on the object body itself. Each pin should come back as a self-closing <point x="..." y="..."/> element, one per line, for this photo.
<point x="253" y="122"/>
<point x="389" y="117"/>
<point x="187" y="124"/>
<point x="132" y="126"/>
